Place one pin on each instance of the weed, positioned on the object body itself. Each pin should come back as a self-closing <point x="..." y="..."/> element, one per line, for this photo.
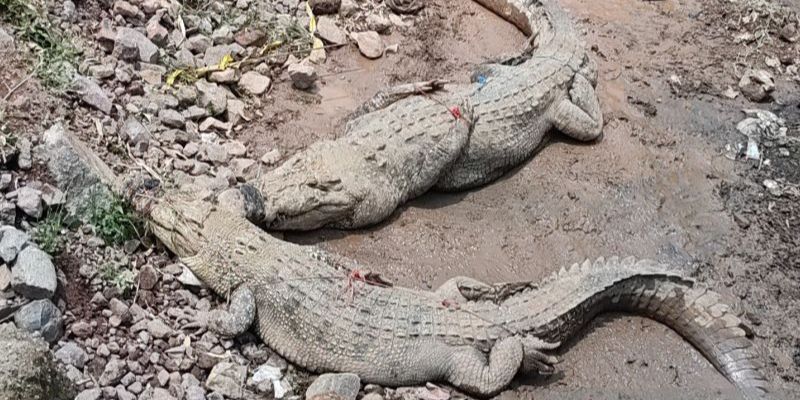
<point x="48" y="233"/>
<point x="57" y="56"/>
<point x="118" y="276"/>
<point x="113" y="220"/>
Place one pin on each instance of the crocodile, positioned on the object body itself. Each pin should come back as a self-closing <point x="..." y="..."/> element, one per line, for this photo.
<point x="322" y="314"/>
<point x="342" y="183"/>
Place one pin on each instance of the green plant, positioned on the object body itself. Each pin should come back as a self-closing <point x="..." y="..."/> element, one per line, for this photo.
<point x="48" y="233"/>
<point x="57" y="56"/>
<point x="118" y="276"/>
<point x="113" y="220"/>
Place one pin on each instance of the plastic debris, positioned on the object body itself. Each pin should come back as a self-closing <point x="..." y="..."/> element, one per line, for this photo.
<point x="760" y="126"/>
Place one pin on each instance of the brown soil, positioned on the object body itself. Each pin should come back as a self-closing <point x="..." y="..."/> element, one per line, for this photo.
<point x="656" y="186"/>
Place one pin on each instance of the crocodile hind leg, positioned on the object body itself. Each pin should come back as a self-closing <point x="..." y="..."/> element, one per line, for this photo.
<point x="468" y="368"/>
<point x="579" y="117"/>
<point x="238" y="318"/>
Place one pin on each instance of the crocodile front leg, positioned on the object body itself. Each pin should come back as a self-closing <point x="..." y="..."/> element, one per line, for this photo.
<point x="238" y="318"/>
<point x="393" y="94"/>
<point x="469" y="289"/>
<point x="579" y="117"/>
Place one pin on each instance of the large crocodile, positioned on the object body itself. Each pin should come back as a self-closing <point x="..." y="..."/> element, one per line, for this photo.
<point x="347" y="183"/>
<point x="321" y="314"/>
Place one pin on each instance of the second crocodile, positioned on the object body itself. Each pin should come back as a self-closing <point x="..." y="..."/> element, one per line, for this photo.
<point x="516" y="104"/>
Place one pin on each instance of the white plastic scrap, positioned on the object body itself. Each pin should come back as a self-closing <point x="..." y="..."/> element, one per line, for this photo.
<point x="759" y="125"/>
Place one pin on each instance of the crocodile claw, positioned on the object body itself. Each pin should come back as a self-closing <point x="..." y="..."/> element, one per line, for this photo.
<point x="535" y="359"/>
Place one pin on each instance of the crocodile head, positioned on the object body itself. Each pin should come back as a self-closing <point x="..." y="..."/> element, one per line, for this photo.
<point x="308" y="206"/>
<point x="292" y="198"/>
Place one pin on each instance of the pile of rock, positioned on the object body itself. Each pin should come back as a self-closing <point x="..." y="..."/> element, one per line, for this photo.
<point x="28" y="282"/>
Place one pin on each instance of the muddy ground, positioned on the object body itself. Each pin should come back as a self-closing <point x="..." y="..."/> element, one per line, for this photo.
<point x="657" y="186"/>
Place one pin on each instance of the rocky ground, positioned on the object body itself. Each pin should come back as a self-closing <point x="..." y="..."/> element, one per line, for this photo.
<point x="208" y="93"/>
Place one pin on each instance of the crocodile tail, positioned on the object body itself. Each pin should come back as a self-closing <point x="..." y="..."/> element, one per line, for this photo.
<point x="647" y="288"/>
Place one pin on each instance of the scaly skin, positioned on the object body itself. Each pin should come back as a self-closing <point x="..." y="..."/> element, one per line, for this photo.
<point x="515" y="107"/>
<point x="472" y="335"/>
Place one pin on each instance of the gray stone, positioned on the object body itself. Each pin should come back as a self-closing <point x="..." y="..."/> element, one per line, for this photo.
<point x="90" y="394"/>
<point x="53" y="197"/>
<point x="156" y="32"/>
<point x="236" y="111"/>
<point x="254" y="83"/>
<point x="102" y="71"/>
<point x="348" y="8"/>
<point x="212" y="97"/>
<point x="28" y="370"/>
<point x="212" y="123"/>
<point x="135" y="131"/>
<point x="369" y="44"/>
<point x="24" y="159"/>
<point x="198" y="44"/>
<point x="227" y="379"/>
<point x="185" y="59"/>
<point x="222" y="35"/>
<point x="215" y="153"/>
<point x="195" y="113"/>
<point x="68" y="11"/>
<point x="132" y="45"/>
<point x="81" y="329"/>
<point x="113" y="372"/>
<point x="214" y="54"/>
<point x="5" y="278"/>
<point x="243" y="168"/>
<point x="161" y="394"/>
<point x="171" y="118"/>
<point x="148" y="277"/>
<point x="757" y="85"/>
<point x="235" y="148"/>
<point x="8" y="212"/>
<point x="186" y="95"/>
<point x="233" y="201"/>
<point x="72" y="354"/>
<point x="249" y="37"/>
<point x="378" y="23"/>
<point x="328" y="31"/>
<point x="29" y="200"/>
<point x="34" y="275"/>
<point x="322" y="7"/>
<point x="40" y="316"/>
<point x="158" y="329"/>
<point x="303" y="76"/>
<point x="11" y="243"/>
<point x="91" y="93"/>
<point x="271" y="157"/>
<point x="345" y="386"/>
<point x="229" y="75"/>
<point x="126" y="9"/>
<point x="195" y="393"/>
<point x="106" y="35"/>
<point x="188" y="278"/>
<point x="123" y="394"/>
<point x="6" y="41"/>
<point x="5" y="181"/>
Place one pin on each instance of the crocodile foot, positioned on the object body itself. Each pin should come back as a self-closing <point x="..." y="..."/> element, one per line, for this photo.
<point x="535" y="359"/>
